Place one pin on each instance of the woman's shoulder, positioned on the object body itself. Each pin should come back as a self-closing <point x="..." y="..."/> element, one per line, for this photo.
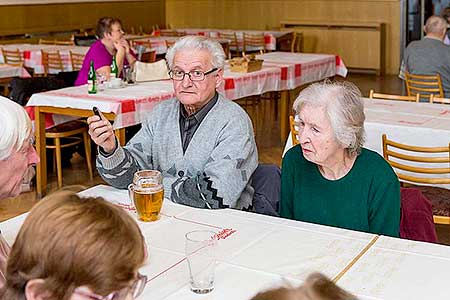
<point x="294" y="156"/>
<point x="371" y="160"/>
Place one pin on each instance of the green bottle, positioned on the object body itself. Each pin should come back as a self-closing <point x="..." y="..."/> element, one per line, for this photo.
<point x="114" y="69"/>
<point x="92" y="79"/>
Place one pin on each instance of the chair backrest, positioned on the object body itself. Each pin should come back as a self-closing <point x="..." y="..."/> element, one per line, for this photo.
<point x="411" y="159"/>
<point x="172" y="33"/>
<point x="374" y="95"/>
<point x="233" y="41"/>
<point x="434" y="99"/>
<point x="254" y="40"/>
<point x="169" y="43"/>
<point x="294" y="131"/>
<point x="297" y="42"/>
<point x="425" y="85"/>
<point x="12" y="57"/>
<point x="148" y="57"/>
<point x="76" y="60"/>
<point x="52" y="61"/>
<point x="47" y="42"/>
<point x="65" y="42"/>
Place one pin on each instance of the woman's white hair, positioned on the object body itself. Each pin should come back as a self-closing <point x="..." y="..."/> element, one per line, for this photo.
<point x="15" y="127"/>
<point x="198" y="42"/>
<point x="344" y="107"/>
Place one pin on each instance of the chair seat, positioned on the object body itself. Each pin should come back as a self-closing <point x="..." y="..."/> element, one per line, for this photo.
<point x="66" y="129"/>
<point x="439" y="197"/>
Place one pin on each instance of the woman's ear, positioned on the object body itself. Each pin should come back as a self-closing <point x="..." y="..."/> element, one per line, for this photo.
<point x="34" y="290"/>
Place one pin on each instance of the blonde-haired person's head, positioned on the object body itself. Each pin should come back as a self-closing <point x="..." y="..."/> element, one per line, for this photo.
<point x="316" y="287"/>
<point x="68" y="242"/>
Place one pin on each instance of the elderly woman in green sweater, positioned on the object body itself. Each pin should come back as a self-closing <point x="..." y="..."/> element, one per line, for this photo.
<point x="329" y="178"/>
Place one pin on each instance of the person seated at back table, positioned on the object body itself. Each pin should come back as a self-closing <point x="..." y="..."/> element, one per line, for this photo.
<point x="329" y="178"/>
<point x="316" y="287"/>
<point x="111" y="42"/>
<point x="430" y="56"/>
<point x="77" y="249"/>
<point x="17" y="154"/>
<point x="201" y="142"/>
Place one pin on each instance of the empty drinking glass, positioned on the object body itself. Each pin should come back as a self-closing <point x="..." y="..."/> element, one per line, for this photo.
<point x="201" y="256"/>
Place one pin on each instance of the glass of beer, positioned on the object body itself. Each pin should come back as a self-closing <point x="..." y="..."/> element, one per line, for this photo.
<point x="147" y="193"/>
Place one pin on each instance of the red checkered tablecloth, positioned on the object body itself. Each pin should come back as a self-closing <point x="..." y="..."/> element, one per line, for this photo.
<point x="280" y="71"/>
<point x="32" y="56"/>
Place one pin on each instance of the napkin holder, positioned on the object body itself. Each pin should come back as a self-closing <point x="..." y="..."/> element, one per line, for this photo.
<point x="151" y="71"/>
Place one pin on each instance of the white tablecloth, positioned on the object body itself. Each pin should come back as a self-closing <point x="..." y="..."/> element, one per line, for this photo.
<point x="420" y="124"/>
<point x="32" y="55"/>
<point x="132" y="103"/>
<point x="8" y="71"/>
<point x="262" y="252"/>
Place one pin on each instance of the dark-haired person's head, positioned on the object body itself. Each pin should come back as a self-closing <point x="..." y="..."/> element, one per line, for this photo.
<point x="108" y="27"/>
<point x="72" y="248"/>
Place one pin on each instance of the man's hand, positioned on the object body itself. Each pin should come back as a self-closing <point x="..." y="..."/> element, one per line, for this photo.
<point x="102" y="133"/>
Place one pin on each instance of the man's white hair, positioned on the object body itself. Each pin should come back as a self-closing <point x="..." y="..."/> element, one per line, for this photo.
<point x="344" y="108"/>
<point x="15" y="127"/>
<point x="198" y="42"/>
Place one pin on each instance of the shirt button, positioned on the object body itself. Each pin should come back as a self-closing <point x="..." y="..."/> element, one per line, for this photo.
<point x="181" y="173"/>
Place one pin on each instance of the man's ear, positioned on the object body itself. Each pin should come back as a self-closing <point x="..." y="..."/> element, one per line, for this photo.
<point x="219" y="78"/>
<point x="34" y="290"/>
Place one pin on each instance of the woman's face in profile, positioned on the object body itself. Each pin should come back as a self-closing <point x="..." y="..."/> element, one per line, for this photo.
<point x="316" y="135"/>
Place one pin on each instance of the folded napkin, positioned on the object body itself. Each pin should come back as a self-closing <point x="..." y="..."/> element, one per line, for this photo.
<point x="151" y="71"/>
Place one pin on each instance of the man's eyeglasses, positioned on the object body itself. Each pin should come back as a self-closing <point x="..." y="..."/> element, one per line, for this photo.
<point x="135" y="290"/>
<point x="195" y="75"/>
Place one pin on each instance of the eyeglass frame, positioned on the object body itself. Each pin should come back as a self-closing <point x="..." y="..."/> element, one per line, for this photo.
<point x="190" y="75"/>
<point x="129" y="289"/>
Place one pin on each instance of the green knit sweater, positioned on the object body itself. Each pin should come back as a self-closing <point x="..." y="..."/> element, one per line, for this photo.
<point x="366" y="199"/>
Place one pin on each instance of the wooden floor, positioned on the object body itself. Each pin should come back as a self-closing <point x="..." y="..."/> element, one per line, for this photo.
<point x="269" y="148"/>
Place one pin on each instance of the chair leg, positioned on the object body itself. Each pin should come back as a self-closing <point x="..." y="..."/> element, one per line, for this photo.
<point x="87" y="149"/>
<point x="58" y="161"/>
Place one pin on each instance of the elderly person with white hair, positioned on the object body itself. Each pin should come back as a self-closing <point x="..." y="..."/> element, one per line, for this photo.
<point x="430" y="56"/>
<point x="202" y="143"/>
<point x="17" y="153"/>
<point x="329" y="178"/>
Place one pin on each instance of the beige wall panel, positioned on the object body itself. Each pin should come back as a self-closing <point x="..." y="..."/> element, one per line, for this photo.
<point x="19" y="19"/>
<point x="263" y="14"/>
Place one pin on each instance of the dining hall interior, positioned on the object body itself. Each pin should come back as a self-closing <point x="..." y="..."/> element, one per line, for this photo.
<point x="326" y="167"/>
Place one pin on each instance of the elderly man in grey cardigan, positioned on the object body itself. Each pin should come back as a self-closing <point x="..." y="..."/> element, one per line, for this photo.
<point x="202" y="143"/>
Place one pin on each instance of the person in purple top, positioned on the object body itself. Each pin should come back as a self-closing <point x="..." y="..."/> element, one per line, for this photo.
<point x="110" y="42"/>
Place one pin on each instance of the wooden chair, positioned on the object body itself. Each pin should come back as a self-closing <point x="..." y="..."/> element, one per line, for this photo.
<point x="434" y="99"/>
<point x="373" y="95"/>
<point x="408" y="159"/>
<point x="12" y="57"/>
<point x="70" y="132"/>
<point x="169" y="43"/>
<point x="297" y="42"/>
<point x="51" y="61"/>
<point x="424" y="85"/>
<point x="253" y="40"/>
<point x="47" y="42"/>
<point x="294" y="131"/>
<point x="233" y="45"/>
<point x="172" y="33"/>
<point x="76" y="60"/>
<point x="65" y="42"/>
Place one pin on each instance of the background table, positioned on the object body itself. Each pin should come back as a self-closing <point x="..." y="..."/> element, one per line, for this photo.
<point x="420" y="124"/>
<point x="32" y="56"/>
<point x="258" y="252"/>
<point x="8" y="71"/>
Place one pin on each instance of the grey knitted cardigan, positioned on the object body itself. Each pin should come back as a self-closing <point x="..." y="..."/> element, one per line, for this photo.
<point x="216" y="168"/>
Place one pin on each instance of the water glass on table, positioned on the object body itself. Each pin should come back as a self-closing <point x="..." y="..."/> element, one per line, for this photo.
<point x="201" y="257"/>
<point x="147" y="193"/>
